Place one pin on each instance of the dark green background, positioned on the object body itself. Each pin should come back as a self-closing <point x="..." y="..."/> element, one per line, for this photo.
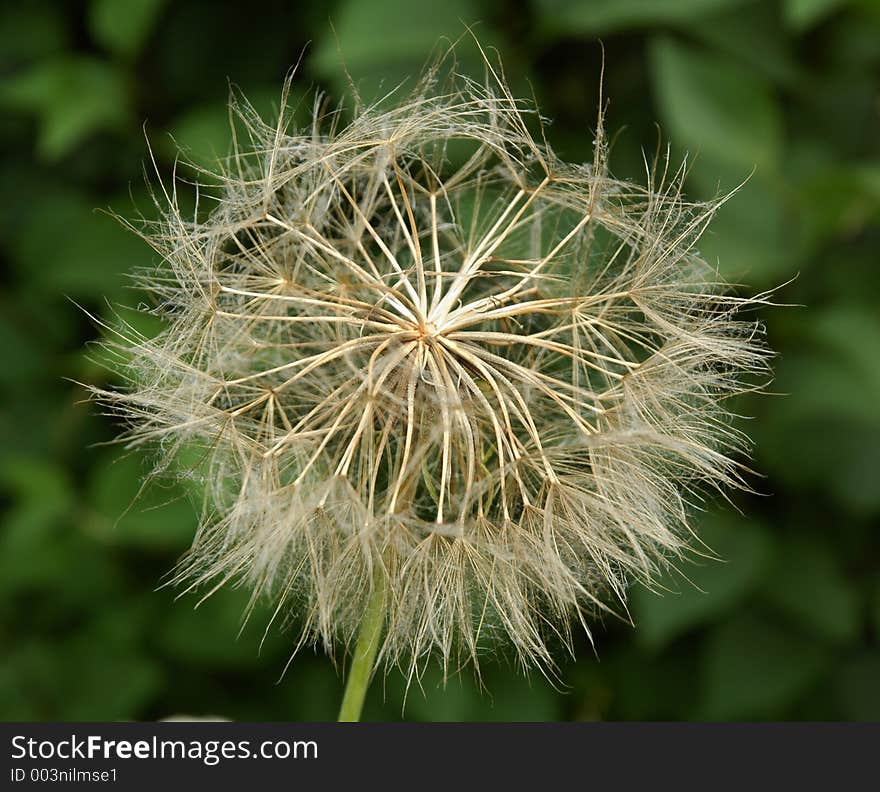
<point x="788" y="626"/>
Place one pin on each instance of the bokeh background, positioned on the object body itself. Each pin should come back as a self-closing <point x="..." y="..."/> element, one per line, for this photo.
<point x="787" y="93"/>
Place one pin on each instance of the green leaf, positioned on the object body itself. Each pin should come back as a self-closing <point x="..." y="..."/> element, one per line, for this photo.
<point x="153" y="516"/>
<point x="857" y="685"/>
<point x="408" y="31"/>
<point x="876" y="611"/>
<point x="711" y="587"/>
<point x="852" y="38"/>
<point x="39" y="540"/>
<point x="73" y="96"/>
<point x="30" y="30"/>
<point x="750" y="237"/>
<point x="433" y="701"/>
<point x="203" y="134"/>
<point x="754" y="36"/>
<point x="754" y="669"/>
<point x="825" y="432"/>
<point x="814" y="386"/>
<point x="123" y="28"/>
<point x="25" y="358"/>
<point x="716" y="107"/>
<point x="67" y="247"/>
<point x="95" y="672"/>
<point x="806" y="585"/>
<point x="656" y="687"/>
<point x="604" y="16"/>
<point x="36" y="482"/>
<point x="41" y="498"/>
<point x="311" y="691"/>
<point x="800" y="15"/>
<point x="853" y="337"/>
<point x="384" y="44"/>
<point x="118" y="679"/>
<point x="31" y="680"/>
<point x="830" y="454"/>
<point x="208" y="634"/>
<point x="839" y="200"/>
<point x="506" y="696"/>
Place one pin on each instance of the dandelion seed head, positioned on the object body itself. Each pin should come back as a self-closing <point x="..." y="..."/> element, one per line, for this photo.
<point x="417" y="347"/>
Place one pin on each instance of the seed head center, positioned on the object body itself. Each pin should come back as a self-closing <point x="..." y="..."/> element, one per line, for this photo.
<point x="427" y="329"/>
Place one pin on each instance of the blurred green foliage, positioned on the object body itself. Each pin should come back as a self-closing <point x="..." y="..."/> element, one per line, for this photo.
<point x="779" y="618"/>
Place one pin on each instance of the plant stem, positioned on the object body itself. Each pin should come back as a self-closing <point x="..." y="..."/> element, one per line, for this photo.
<point x="361" y="670"/>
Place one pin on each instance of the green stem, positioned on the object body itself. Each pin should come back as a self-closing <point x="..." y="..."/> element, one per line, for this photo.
<point x="361" y="670"/>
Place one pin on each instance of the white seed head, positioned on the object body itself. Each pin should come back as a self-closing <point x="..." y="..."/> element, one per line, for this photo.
<point x="419" y="349"/>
